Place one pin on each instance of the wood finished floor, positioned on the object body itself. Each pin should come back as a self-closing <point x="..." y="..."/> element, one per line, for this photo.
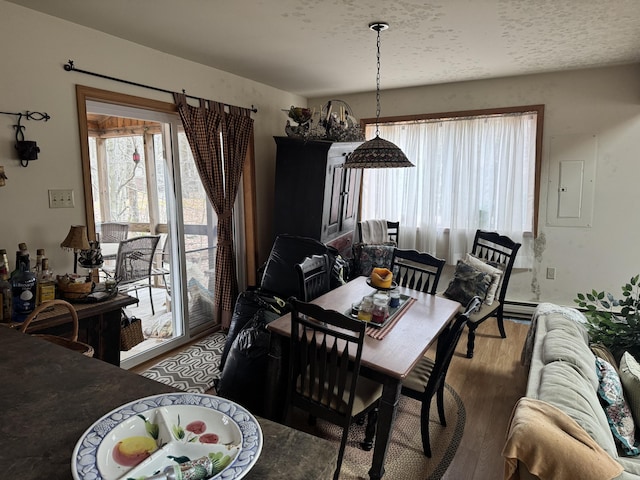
<point x="489" y="384"/>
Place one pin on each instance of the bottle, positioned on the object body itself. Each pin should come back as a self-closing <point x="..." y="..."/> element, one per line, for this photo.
<point x="22" y="248"/>
<point x="366" y="309"/>
<point x="38" y="265"/>
<point x="46" y="289"/>
<point x="5" y="289"/>
<point x="23" y="289"/>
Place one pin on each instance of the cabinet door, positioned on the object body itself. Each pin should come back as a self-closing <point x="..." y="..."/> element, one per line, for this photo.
<point x="333" y="197"/>
<point x="350" y="198"/>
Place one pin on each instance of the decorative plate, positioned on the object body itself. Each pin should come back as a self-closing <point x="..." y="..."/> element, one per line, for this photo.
<point x="144" y="437"/>
<point x="393" y="286"/>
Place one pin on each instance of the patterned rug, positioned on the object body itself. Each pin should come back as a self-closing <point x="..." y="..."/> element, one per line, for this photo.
<point x="193" y="369"/>
<point x="405" y="458"/>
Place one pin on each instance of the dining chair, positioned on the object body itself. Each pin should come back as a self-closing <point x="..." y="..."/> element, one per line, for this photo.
<point x="113" y="232"/>
<point x="498" y="251"/>
<point x="416" y="270"/>
<point x="393" y="229"/>
<point x="427" y="378"/>
<point x="134" y="262"/>
<point x="314" y="274"/>
<point x="324" y="366"/>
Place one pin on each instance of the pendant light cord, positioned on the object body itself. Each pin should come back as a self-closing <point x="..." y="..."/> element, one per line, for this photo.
<point x="378" y="83"/>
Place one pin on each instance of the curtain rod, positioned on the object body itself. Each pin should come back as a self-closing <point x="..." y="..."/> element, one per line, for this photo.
<point x="69" y="67"/>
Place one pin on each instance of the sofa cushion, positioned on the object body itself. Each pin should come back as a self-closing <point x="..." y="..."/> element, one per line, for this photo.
<point x="616" y="408"/>
<point x="562" y="386"/>
<point x="630" y="377"/>
<point x="560" y="322"/>
<point x="562" y="345"/>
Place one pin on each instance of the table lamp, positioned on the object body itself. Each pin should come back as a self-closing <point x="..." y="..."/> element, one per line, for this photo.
<point x="76" y="240"/>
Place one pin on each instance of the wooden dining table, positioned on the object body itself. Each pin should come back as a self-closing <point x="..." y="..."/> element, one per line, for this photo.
<point x="388" y="360"/>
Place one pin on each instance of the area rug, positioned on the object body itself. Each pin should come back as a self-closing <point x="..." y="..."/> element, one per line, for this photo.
<point x="193" y="369"/>
<point x="405" y="458"/>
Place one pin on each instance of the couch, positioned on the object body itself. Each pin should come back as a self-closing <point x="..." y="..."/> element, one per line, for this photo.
<point x="563" y="374"/>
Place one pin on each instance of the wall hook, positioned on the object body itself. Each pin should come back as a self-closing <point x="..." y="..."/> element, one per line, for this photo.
<point x="27" y="150"/>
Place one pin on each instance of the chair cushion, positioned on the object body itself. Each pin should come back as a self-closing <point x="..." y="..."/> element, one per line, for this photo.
<point x="485" y="312"/>
<point x="468" y="282"/>
<point x="367" y="393"/>
<point x="419" y="376"/>
<point x="496" y="275"/>
<point x="616" y="408"/>
<point x="630" y="377"/>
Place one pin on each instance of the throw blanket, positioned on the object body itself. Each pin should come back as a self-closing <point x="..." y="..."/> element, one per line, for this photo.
<point x="553" y="446"/>
<point x="374" y="232"/>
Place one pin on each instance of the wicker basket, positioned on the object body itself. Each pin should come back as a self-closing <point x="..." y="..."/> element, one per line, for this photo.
<point x="70" y="343"/>
<point x="131" y="334"/>
<point x="73" y="290"/>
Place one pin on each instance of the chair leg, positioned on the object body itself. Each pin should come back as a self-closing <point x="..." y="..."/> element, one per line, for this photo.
<point x="153" y="312"/>
<point x="343" y="444"/>
<point x="370" y="430"/>
<point x="500" y="319"/>
<point x="440" y="402"/>
<point x="471" y="339"/>
<point x="424" y="427"/>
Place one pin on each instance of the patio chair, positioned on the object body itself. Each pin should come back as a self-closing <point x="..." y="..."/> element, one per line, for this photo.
<point x="113" y="232"/>
<point x="134" y="262"/>
<point x="416" y="270"/>
<point x="315" y="277"/>
<point x="427" y="378"/>
<point x="324" y="367"/>
<point x="498" y="251"/>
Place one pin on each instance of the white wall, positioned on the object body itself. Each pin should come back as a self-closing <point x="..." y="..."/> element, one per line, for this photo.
<point x="604" y="102"/>
<point x="34" y="49"/>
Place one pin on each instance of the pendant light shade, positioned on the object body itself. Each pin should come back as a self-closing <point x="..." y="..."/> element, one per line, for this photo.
<point x="378" y="152"/>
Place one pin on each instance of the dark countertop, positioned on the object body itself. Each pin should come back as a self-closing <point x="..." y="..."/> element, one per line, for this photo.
<point x="51" y="395"/>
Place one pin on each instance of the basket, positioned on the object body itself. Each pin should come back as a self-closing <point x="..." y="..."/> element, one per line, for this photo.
<point x="69" y="343"/>
<point x="130" y="333"/>
<point x="73" y="290"/>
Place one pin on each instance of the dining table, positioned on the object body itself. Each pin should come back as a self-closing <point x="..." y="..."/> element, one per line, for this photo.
<point x="389" y="352"/>
<point x="51" y="395"/>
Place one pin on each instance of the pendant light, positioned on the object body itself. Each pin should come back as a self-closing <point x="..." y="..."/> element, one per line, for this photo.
<point x="378" y="152"/>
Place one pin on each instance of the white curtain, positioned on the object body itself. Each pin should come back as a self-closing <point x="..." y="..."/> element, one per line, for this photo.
<point x="469" y="173"/>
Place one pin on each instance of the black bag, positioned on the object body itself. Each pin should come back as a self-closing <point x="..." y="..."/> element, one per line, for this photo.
<point x="244" y="376"/>
<point x="247" y="305"/>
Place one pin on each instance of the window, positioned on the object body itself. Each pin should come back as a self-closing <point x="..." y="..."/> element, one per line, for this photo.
<point x="472" y="170"/>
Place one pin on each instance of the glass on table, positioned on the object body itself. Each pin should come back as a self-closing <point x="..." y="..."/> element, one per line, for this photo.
<point x="366" y="309"/>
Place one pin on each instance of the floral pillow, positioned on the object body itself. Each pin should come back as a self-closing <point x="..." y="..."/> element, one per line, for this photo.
<point x="468" y="282"/>
<point x="369" y="256"/>
<point x="616" y="408"/>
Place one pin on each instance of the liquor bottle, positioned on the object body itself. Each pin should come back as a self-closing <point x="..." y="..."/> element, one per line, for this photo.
<point x="5" y="289"/>
<point x="22" y="249"/>
<point x="23" y="289"/>
<point x="38" y="266"/>
<point x="46" y="289"/>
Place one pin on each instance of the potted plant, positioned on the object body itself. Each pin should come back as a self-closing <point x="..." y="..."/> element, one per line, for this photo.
<point x="615" y="323"/>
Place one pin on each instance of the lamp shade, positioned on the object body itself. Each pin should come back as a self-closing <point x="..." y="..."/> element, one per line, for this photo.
<point x="377" y="153"/>
<point x="76" y="238"/>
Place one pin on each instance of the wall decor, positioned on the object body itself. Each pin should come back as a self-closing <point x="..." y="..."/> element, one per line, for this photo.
<point x="27" y="150"/>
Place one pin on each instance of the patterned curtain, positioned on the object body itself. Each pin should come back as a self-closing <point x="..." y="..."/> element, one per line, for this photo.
<point x="219" y="142"/>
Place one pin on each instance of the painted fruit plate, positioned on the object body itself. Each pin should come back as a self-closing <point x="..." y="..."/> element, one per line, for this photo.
<point x="156" y="434"/>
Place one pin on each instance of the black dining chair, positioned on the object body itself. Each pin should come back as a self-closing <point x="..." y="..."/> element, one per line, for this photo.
<point x="427" y="378"/>
<point x="416" y="270"/>
<point x="314" y="274"/>
<point x="393" y="228"/>
<point x="498" y="251"/>
<point x="324" y="367"/>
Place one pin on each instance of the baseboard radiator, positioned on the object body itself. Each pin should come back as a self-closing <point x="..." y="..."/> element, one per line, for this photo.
<point x="519" y="310"/>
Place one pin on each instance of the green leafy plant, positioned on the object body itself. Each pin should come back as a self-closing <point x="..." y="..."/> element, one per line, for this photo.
<point x="615" y="323"/>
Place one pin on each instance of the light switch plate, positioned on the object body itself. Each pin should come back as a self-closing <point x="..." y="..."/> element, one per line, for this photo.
<point x="61" y="199"/>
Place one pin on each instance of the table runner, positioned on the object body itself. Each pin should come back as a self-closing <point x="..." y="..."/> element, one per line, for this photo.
<point x="380" y="333"/>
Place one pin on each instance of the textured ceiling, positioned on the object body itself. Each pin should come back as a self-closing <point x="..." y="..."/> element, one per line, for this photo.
<point x="324" y="47"/>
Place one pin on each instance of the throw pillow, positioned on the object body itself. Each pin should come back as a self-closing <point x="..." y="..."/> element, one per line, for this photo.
<point x="616" y="408"/>
<point x="630" y="376"/>
<point x="467" y="283"/>
<point x="370" y="256"/>
<point x="496" y="276"/>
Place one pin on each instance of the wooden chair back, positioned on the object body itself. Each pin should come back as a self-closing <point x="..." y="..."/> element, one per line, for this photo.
<point x="393" y="229"/>
<point x="416" y="270"/>
<point x="499" y="251"/>
<point x="314" y="274"/>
